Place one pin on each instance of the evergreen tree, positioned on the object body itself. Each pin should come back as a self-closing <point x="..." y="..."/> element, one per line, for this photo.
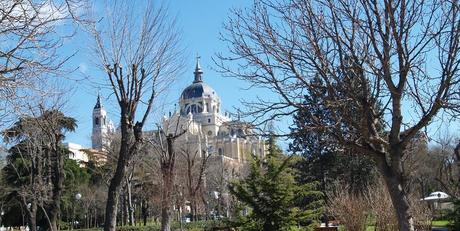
<point x="35" y="168"/>
<point x="325" y="160"/>
<point x="276" y="200"/>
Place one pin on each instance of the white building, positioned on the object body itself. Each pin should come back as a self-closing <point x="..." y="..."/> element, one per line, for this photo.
<point x="230" y="141"/>
<point x="77" y="153"/>
<point x="102" y="127"/>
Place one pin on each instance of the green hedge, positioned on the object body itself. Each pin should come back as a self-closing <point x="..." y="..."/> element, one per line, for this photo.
<point x="193" y="226"/>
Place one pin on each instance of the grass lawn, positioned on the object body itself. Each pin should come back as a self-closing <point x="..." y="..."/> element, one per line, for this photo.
<point x="441" y="223"/>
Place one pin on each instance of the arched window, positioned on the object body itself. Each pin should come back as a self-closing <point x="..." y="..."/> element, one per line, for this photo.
<point x="193" y="108"/>
<point x="96" y="120"/>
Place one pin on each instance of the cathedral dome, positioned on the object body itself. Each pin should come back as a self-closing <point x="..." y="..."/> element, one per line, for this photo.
<point x="198" y="90"/>
<point x="199" y="98"/>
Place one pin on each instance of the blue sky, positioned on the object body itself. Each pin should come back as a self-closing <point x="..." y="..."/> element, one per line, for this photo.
<point x="200" y="22"/>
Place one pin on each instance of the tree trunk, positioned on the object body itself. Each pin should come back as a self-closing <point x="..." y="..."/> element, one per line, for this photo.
<point x="57" y="179"/>
<point x="124" y="208"/>
<point x="193" y="207"/>
<point x="114" y="189"/>
<point x="394" y="182"/>
<point x="114" y="192"/>
<point x="31" y="215"/>
<point x="167" y="171"/>
<point x="166" y="199"/>
<point x="130" y="203"/>
<point x="144" y="209"/>
<point x="115" y="183"/>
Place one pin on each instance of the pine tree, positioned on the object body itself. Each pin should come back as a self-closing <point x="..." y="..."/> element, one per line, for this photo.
<point x="325" y="160"/>
<point x="275" y="199"/>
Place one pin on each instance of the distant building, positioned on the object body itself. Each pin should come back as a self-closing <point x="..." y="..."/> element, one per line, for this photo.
<point x="100" y="137"/>
<point x="210" y="132"/>
<point x="200" y="114"/>
<point x="77" y="152"/>
<point x="102" y="127"/>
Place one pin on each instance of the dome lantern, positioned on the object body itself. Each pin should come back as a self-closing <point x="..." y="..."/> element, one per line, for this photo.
<point x="198" y="72"/>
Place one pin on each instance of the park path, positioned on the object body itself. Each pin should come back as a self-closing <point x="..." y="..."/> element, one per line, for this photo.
<point x="439" y="229"/>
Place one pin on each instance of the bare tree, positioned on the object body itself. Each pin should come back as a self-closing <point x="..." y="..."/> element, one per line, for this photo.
<point x="193" y="159"/>
<point x="448" y="166"/>
<point x="390" y="64"/>
<point x="139" y="51"/>
<point x="163" y="147"/>
<point x="31" y="46"/>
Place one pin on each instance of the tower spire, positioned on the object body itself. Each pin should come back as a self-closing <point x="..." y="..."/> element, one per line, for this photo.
<point x="198" y="72"/>
<point x="98" y="101"/>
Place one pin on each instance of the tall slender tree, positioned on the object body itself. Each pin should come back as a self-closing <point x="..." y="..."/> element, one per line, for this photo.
<point x="140" y="53"/>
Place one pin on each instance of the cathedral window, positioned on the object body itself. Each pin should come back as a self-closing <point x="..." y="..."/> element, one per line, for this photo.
<point x="209" y="133"/>
<point x="96" y="121"/>
<point x="209" y="120"/>
<point x="221" y="152"/>
<point x="194" y="108"/>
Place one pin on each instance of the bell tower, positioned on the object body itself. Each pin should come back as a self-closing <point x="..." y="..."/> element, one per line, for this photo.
<point x="101" y="126"/>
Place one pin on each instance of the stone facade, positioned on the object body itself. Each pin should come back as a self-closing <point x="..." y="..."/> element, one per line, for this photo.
<point x="210" y="132"/>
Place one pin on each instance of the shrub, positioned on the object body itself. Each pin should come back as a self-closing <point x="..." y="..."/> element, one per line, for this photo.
<point x="455" y="216"/>
<point x="350" y="209"/>
<point x="381" y="207"/>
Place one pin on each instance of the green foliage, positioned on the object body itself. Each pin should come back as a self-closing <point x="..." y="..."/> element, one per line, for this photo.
<point x="455" y="216"/>
<point x="31" y="163"/>
<point x="313" y="137"/>
<point x="275" y="199"/>
<point x="74" y="174"/>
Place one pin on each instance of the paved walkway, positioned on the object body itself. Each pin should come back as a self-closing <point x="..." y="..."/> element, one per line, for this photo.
<point x="439" y="229"/>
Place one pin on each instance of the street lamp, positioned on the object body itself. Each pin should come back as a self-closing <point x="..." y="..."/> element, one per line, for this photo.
<point x="77" y="198"/>
<point x="1" y="218"/>
<point x="217" y="196"/>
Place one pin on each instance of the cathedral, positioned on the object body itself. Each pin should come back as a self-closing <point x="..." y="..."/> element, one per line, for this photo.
<point x="206" y="129"/>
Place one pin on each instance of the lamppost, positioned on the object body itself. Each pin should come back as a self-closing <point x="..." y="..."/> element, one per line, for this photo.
<point x="216" y="195"/>
<point x="1" y="218"/>
<point x="77" y="198"/>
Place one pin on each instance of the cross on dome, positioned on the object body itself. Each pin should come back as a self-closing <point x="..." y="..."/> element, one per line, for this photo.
<point x="198" y="72"/>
